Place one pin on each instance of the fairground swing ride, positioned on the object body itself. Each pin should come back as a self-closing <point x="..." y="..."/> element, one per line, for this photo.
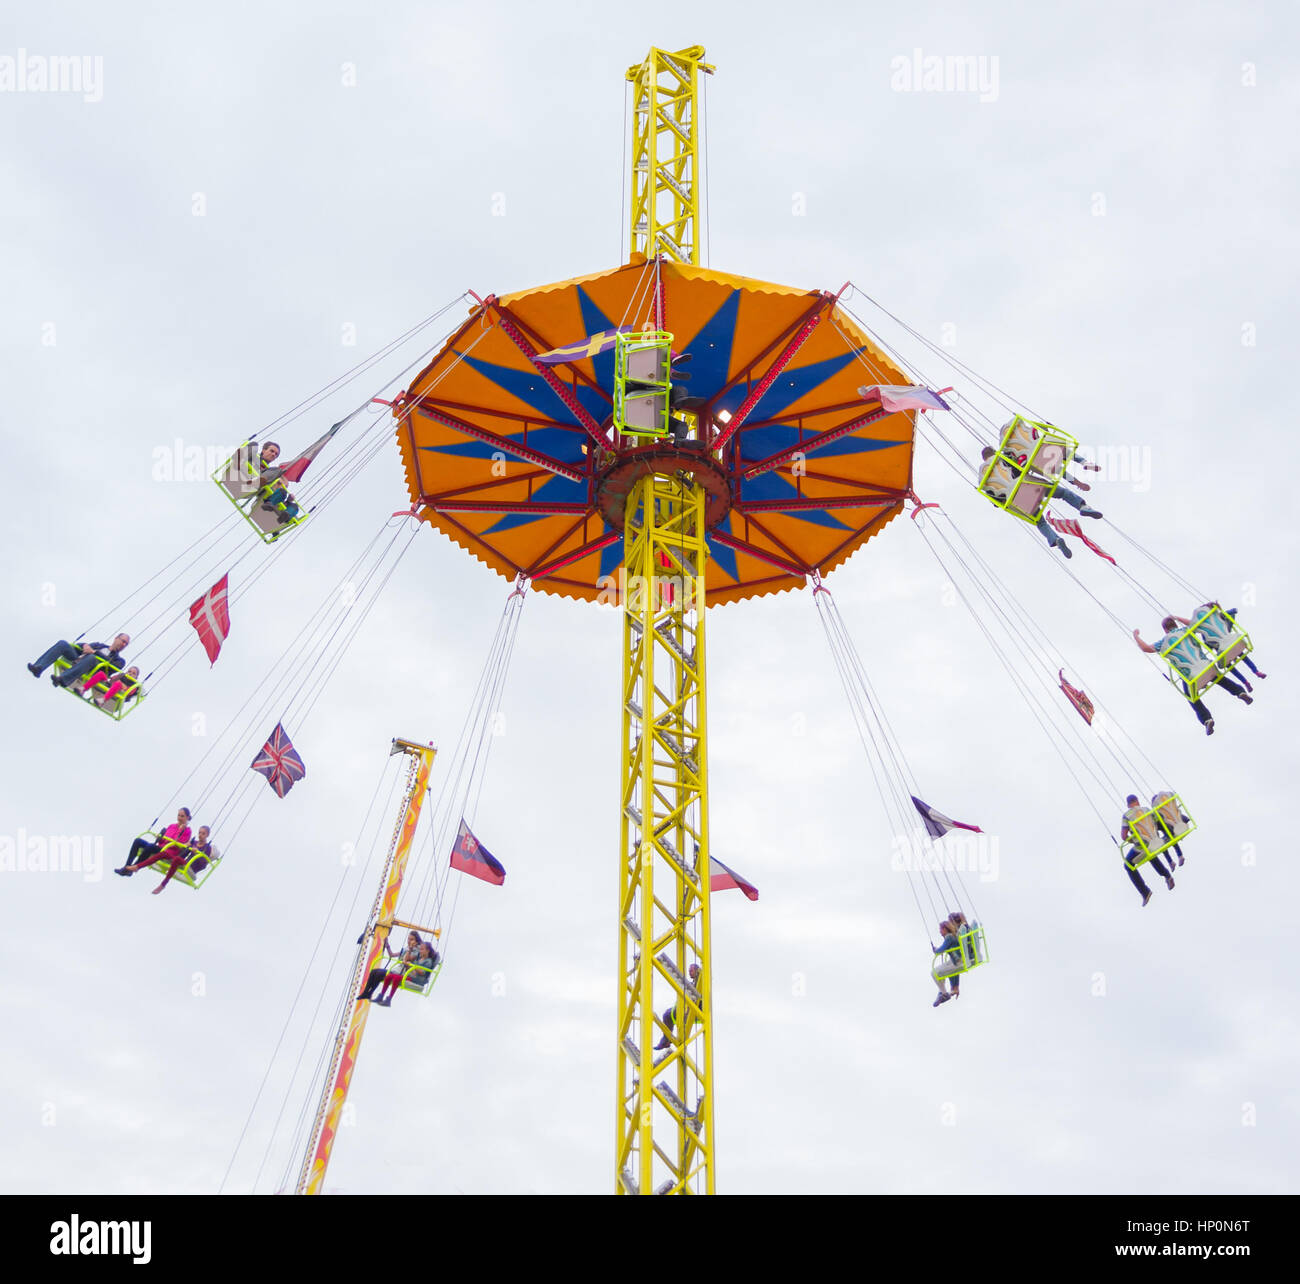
<point x="659" y="423"/>
<point x="666" y="437"/>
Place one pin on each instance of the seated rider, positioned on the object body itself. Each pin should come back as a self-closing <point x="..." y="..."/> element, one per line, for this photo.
<point x="173" y="846"/>
<point x="1180" y="649"/>
<point x="205" y="853"/>
<point x="271" y="489"/>
<point x="961" y="927"/>
<point x="1002" y="479"/>
<point x="1217" y="633"/>
<point x="126" y="685"/>
<point x="422" y="969"/>
<point x="1250" y="664"/>
<point x="948" y="962"/>
<point x="1170" y="819"/>
<point x="82" y="658"/>
<point x="387" y="977"/>
<point x="1129" y="828"/>
<point x="1020" y="438"/>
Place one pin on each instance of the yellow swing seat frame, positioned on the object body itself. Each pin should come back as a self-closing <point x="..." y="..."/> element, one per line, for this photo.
<point x="1168" y="834"/>
<point x="1040" y="472"/>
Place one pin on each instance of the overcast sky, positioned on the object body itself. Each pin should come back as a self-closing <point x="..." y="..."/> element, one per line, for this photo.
<point x="1108" y="231"/>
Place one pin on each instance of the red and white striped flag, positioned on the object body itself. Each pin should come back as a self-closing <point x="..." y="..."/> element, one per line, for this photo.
<point x="1070" y="526"/>
<point x="1077" y="698"/>
<point x="210" y="616"/>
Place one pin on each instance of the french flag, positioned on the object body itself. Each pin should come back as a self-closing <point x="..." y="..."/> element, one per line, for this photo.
<point x="936" y="823"/>
<point x="721" y="877"/>
<point x="470" y="857"/>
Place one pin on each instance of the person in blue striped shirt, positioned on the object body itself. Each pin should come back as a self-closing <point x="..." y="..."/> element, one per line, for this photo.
<point x="1180" y="649"/>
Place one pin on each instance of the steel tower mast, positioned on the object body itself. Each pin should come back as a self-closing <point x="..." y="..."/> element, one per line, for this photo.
<point x="665" y="1067"/>
<point x="666" y="153"/>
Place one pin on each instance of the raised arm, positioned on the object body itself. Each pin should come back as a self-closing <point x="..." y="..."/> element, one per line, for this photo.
<point x="1145" y="646"/>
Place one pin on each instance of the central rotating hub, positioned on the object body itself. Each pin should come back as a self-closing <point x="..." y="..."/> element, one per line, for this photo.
<point x="615" y="480"/>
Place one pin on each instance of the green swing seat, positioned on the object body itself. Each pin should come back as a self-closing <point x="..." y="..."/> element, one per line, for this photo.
<point x="196" y="870"/>
<point x="86" y="690"/>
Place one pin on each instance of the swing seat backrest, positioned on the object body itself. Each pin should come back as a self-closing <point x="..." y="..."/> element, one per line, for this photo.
<point x="1050" y="459"/>
<point x="419" y="977"/>
<point x="238" y="478"/>
<point x="1171" y="818"/>
<point x="1029" y="499"/>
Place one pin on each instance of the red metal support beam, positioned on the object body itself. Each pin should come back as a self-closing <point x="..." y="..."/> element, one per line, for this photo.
<point x="595" y="546"/>
<point x="813" y="443"/>
<point x="432" y="499"/>
<point x="512" y="330"/>
<point x="771" y="559"/>
<point x="504" y="506"/>
<point x="779" y="363"/>
<point x="541" y="344"/>
<point x="785" y="548"/>
<point x="504" y="444"/>
<point x="816" y="505"/>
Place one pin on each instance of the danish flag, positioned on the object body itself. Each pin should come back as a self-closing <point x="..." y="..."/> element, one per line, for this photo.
<point x="210" y="616"/>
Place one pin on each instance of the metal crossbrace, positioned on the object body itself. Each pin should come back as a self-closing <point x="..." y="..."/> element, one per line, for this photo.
<point x="665" y="1093"/>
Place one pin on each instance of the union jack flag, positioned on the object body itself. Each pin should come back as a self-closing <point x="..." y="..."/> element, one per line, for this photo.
<point x="279" y="762"/>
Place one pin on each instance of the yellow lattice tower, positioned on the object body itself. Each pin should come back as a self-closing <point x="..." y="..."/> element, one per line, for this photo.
<point x="665" y="153"/>
<point x="665" y="1042"/>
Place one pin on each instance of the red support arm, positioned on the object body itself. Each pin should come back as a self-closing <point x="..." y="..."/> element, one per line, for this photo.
<point x="782" y="359"/>
<point x="556" y="384"/>
<point x="813" y="443"/>
<point x="503" y="506"/>
<point x="595" y="546"/>
<point x="501" y="443"/>
<point x="771" y="559"/>
<point x="882" y="497"/>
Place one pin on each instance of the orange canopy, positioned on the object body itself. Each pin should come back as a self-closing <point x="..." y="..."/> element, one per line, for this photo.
<point x="507" y="456"/>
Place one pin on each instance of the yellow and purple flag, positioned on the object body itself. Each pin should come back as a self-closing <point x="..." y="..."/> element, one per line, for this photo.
<point x="591" y="346"/>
